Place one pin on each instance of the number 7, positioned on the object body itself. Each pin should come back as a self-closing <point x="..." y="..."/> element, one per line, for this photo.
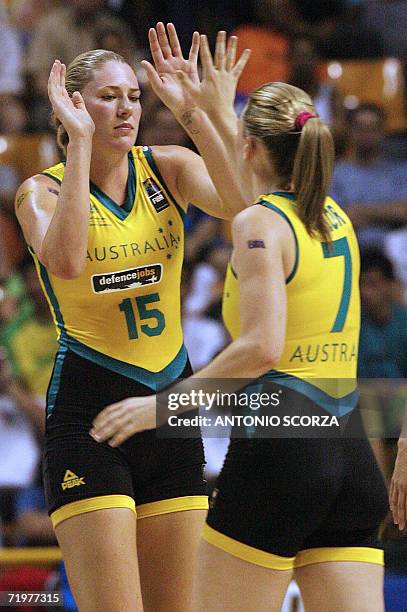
<point x="340" y="248"/>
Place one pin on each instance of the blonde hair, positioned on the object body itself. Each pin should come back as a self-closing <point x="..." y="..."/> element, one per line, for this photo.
<point x="303" y="155"/>
<point x="78" y="74"/>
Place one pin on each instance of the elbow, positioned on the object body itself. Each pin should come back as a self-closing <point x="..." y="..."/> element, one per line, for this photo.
<point x="268" y="358"/>
<point x="264" y="356"/>
<point x="67" y="270"/>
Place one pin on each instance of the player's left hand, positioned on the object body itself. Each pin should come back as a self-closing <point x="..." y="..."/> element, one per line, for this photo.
<point x="398" y="487"/>
<point x="117" y="422"/>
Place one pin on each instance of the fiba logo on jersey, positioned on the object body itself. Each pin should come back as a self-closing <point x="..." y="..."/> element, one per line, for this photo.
<point x="155" y="195"/>
<point x="127" y="279"/>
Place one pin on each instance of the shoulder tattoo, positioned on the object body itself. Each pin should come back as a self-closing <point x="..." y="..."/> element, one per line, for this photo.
<point x="256" y="244"/>
<point x="22" y="197"/>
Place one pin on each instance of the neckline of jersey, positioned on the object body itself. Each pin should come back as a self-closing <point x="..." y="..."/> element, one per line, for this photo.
<point x="123" y="211"/>
<point x="284" y="194"/>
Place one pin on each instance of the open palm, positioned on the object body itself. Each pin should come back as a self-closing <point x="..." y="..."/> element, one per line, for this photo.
<point x="168" y="61"/>
<point x="71" y="112"/>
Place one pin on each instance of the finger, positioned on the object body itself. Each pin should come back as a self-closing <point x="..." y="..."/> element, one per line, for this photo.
<point x="78" y="101"/>
<point x="401" y="510"/>
<point x="231" y="53"/>
<point x="153" y="76"/>
<point x="241" y="63"/>
<point x="62" y="75"/>
<point x="194" y="50"/>
<point x="174" y="42"/>
<point x="155" y="48"/>
<point x="121" y="437"/>
<point x="220" y="48"/>
<point x="163" y="40"/>
<point x="394" y="506"/>
<point x="205" y="55"/>
<point x="186" y="81"/>
<point x="105" y="415"/>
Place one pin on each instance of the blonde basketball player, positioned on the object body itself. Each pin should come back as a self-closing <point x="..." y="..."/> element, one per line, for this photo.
<point x="303" y="504"/>
<point x="106" y="232"/>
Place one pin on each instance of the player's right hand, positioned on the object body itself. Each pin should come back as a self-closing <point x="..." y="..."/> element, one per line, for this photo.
<point x="71" y="112"/>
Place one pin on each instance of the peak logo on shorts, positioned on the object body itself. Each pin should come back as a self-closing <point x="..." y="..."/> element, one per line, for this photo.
<point x="72" y="480"/>
<point x="127" y="279"/>
<point x="155" y="195"/>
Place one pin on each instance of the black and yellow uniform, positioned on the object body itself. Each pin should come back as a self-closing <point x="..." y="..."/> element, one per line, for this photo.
<point x="284" y="503"/>
<point x="118" y="324"/>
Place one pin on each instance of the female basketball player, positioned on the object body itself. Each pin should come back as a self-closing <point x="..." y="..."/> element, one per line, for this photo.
<point x="105" y="229"/>
<point x="308" y="505"/>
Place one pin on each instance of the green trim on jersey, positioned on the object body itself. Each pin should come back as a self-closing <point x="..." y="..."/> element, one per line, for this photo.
<point x="336" y="406"/>
<point x="155" y="380"/>
<point x="284" y="194"/>
<point x="282" y="214"/>
<point x="149" y="157"/>
<point x="52" y="298"/>
<point x="54" y="178"/>
<point x="55" y="380"/>
<point x="122" y="212"/>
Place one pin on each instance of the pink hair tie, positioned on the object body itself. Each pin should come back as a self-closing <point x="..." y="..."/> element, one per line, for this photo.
<point x="302" y="119"/>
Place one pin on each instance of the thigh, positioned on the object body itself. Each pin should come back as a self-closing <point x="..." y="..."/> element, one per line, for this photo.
<point x="167" y="552"/>
<point x="226" y="583"/>
<point x="100" y="553"/>
<point x="360" y="506"/>
<point x="167" y="474"/>
<point x="272" y="493"/>
<point x="76" y="468"/>
<point x="348" y="587"/>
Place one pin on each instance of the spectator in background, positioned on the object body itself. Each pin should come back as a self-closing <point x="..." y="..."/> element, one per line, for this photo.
<point x="19" y="452"/>
<point x="305" y="73"/>
<point x="204" y="333"/>
<point x="31" y="345"/>
<point x="371" y="188"/>
<point x="62" y="33"/>
<point x="383" y="336"/>
<point x="395" y="247"/>
<point x="336" y="26"/>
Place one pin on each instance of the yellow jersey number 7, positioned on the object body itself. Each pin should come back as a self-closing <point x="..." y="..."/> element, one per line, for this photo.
<point x="340" y="248"/>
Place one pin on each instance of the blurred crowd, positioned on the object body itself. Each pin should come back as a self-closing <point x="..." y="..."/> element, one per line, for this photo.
<point x="330" y="48"/>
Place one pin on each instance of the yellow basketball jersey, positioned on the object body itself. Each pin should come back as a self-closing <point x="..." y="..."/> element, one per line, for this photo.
<point x="123" y="312"/>
<point x="323" y="309"/>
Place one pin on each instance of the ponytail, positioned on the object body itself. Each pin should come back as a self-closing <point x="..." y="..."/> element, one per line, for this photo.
<point x="300" y="146"/>
<point x="312" y="174"/>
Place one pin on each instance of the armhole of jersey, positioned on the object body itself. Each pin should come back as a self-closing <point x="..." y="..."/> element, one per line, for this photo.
<point x="51" y="176"/>
<point x="282" y="214"/>
<point x="151" y="161"/>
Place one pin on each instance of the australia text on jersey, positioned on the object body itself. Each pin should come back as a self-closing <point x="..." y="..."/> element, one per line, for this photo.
<point x="163" y="242"/>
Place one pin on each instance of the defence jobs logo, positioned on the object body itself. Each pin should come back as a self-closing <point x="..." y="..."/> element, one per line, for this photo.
<point x="127" y="279"/>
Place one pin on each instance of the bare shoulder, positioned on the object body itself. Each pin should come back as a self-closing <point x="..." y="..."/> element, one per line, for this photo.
<point x="174" y="156"/>
<point x="34" y="189"/>
<point x="261" y="220"/>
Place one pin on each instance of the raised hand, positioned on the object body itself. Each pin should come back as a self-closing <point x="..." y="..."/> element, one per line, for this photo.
<point x="220" y="75"/>
<point x="168" y="60"/>
<point x="71" y="112"/>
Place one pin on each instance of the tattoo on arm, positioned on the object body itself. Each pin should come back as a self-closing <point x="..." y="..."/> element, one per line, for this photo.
<point x="22" y="197"/>
<point x="256" y="244"/>
<point x="187" y="122"/>
<point x="54" y="191"/>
